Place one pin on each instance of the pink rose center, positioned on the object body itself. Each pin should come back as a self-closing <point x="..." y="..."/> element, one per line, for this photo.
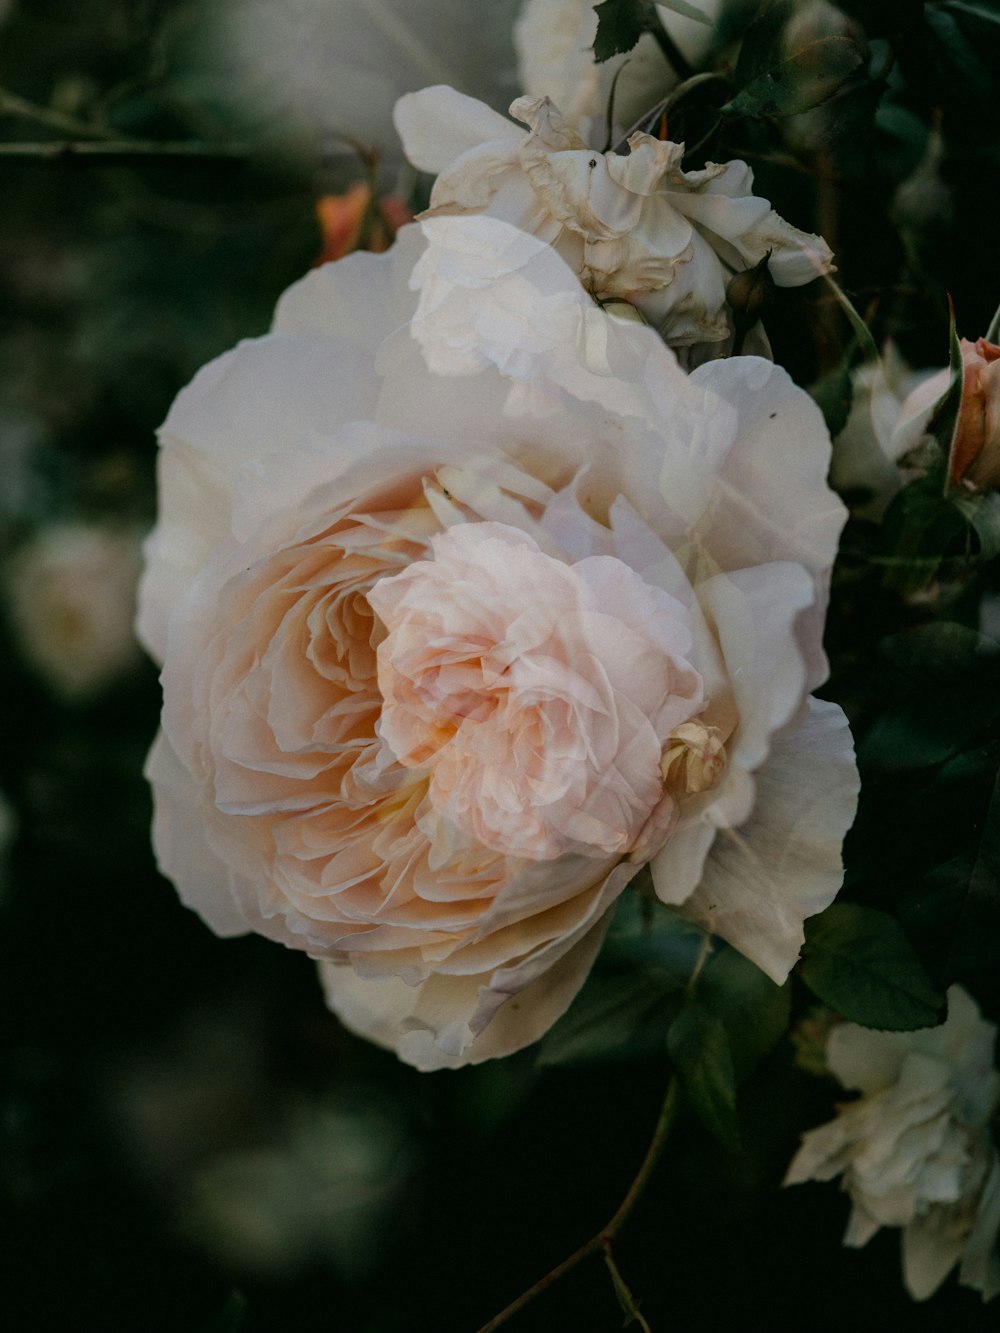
<point x="537" y="694"/>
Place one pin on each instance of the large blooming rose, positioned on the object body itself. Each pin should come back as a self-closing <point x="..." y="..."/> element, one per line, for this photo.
<point x="470" y="603"/>
<point x="633" y="227"/>
<point x="914" y="1150"/>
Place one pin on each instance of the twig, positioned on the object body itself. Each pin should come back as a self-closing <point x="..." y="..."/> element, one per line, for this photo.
<point x="602" y="1241"/>
<point x="126" y="148"/>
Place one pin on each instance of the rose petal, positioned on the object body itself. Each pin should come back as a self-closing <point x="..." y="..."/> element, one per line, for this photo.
<point x="762" y="880"/>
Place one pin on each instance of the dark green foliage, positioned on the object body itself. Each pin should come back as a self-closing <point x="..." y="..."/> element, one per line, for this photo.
<point x="858" y="961"/>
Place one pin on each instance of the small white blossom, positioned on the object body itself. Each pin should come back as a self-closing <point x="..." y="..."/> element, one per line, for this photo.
<point x="914" y="1149"/>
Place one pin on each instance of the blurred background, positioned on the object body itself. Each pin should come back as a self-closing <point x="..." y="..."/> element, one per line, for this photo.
<point x="189" y="1142"/>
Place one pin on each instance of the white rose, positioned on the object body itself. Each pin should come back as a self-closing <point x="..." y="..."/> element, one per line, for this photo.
<point x="914" y="1150"/>
<point x="449" y="656"/>
<point x="633" y="227"/>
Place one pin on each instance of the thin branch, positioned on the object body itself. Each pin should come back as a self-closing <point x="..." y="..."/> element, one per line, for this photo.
<point x="630" y="1306"/>
<point x="603" y="1239"/>
<point x="126" y="148"/>
<point x="13" y="105"/>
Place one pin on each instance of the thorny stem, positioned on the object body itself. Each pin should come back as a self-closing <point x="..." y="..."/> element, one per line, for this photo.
<point x="602" y="1241"/>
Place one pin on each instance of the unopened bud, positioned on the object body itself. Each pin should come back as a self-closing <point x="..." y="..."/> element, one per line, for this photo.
<point x="694" y="759"/>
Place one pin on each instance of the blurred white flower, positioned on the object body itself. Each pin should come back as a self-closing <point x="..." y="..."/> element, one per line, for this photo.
<point x="554" y="41"/>
<point x="323" y="1194"/>
<point x="633" y="227"/>
<point x="72" y="602"/>
<point x="328" y="68"/>
<point x="914" y="1149"/>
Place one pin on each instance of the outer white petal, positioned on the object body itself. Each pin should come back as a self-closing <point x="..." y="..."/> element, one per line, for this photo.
<point x="182" y="853"/>
<point x="761" y="881"/>
<point x="359" y="300"/>
<point x="864" y="1060"/>
<point x="755" y="612"/>
<point x="767" y="502"/>
<point x="493" y="295"/>
<point x="981" y="1261"/>
<point x="262" y="398"/>
<point x="438" y="124"/>
<point x="743" y="227"/>
<point x="401" y="1017"/>
<point x="932" y="1246"/>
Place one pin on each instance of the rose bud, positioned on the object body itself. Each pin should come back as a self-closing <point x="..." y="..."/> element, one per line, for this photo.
<point x="975" y="446"/>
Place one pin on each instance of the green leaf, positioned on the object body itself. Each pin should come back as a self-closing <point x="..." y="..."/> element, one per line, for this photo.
<point x="806" y="78"/>
<point x="620" y="24"/>
<point x="943" y="424"/>
<point x="920" y="528"/>
<point x="833" y="394"/>
<point x="647" y="934"/>
<point x="858" y="961"/>
<point x="699" y="1048"/>
<point x="973" y="10"/>
<point x="760" y="49"/>
<point x="982" y="513"/>
<point x="617" y="1016"/>
<point x="753" y="1010"/>
<point x="958" y="54"/>
<point x="939" y="691"/>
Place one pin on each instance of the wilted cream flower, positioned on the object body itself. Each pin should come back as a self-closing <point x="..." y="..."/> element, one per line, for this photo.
<point x="72" y="599"/>
<point x="554" y="41"/>
<point x="914" y="1150"/>
<point x="632" y="226"/>
<point x="438" y="589"/>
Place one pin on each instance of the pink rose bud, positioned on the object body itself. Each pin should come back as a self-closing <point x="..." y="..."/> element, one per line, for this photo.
<point x="975" y="449"/>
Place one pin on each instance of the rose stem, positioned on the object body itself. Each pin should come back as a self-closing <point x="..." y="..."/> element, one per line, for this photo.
<point x="602" y="1240"/>
<point x="668" y="46"/>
